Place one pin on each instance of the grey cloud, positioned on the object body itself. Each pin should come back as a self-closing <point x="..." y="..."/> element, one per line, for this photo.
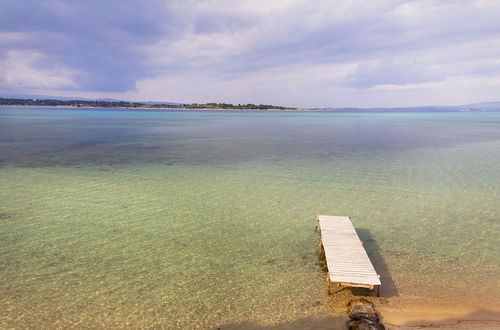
<point x="100" y="38"/>
<point x="390" y="73"/>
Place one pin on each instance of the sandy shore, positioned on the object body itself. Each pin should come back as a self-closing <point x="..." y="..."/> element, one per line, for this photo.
<point x="440" y="319"/>
<point x="399" y="315"/>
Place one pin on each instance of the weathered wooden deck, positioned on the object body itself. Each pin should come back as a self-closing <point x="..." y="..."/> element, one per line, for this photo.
<point x="346" y="259"/>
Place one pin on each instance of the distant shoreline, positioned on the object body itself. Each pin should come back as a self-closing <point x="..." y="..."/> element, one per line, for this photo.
<point x="160" y="109"/>
<point x="303" y="110"/>
<point x="159" y="106"/>
<point x="138" y="105"/>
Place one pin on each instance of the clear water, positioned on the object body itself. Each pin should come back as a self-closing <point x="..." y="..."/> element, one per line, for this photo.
<point x="206" y="219"/>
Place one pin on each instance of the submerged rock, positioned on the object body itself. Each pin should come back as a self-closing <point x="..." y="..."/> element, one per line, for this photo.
<point x="360" y="325"/>
<point x="361" y="312"/>
<point x="364" y="317"/>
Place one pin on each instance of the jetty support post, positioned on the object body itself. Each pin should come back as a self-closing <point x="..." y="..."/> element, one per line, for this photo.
<point x="321" y="249"/>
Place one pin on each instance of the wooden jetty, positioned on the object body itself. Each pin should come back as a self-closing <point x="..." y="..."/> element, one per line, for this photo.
<point x="346" y="259"/>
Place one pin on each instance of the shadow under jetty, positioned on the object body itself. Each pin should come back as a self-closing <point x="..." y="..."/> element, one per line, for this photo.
<point x="388" y="288"/>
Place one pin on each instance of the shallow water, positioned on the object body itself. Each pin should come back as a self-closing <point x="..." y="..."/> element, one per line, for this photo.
<point x="206" y="219"/>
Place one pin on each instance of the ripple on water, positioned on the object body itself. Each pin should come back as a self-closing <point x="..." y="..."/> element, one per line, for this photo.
<point x="171" y="243"/>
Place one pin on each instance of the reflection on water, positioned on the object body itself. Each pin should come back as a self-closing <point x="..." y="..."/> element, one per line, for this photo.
<point x="130" y="219"/>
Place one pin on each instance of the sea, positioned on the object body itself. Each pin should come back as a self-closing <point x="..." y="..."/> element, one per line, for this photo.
<point x="206" y="219"/>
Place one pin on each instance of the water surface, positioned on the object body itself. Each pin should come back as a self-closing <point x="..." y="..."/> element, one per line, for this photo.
<point x="206" y="219"/>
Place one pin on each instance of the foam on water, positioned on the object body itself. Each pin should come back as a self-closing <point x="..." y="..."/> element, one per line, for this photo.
<point x="196" y="228"/>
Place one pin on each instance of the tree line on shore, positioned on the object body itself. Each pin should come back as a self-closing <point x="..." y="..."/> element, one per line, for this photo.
<point x="125" y="104"/>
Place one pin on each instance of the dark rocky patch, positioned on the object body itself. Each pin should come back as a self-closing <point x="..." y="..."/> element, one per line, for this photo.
<point x="363" y="317"/>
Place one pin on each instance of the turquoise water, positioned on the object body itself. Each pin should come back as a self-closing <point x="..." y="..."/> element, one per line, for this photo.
<point x="206" y="219"/>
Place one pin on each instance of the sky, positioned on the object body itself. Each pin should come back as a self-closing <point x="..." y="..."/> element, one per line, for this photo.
<point x="305" y="53"/>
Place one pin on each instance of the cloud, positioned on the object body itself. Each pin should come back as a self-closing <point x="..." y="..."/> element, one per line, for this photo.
<point x="391" y="42"/>
<point x="256" y="50"/>
<point x="12" y="38"/>
<point x="19" y="69"/>
<point x="100" y="38"/>
<point x="429" y="65"/>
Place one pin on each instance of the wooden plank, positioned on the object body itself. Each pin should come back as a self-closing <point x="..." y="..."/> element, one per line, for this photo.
<point x="346" y="259"/>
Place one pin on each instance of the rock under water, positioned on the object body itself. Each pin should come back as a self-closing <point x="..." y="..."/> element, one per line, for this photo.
<point x="364" y="317"/>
